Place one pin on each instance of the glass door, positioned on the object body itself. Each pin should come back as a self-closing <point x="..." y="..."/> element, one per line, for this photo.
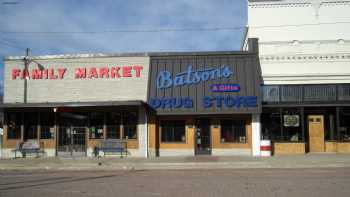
<point x="202" y="137"/>
<point x="72" y="134"/>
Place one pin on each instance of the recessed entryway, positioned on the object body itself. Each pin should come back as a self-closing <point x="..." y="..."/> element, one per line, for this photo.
<point x="202" y="137"/>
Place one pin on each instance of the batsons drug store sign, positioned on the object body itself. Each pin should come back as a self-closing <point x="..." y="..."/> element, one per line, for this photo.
<point x="204" y="83"/>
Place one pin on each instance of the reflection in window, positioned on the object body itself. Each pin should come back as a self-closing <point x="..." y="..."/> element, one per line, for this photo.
<point x="173" y="130"/>
<point x="113" y="125"/>
<point x="233" y="131"/>
<point x="47" y="125"/>
<point x="270" y="93"/>
<point x="282" y="125"/>
<point x="96" y="125"/>
<point x="344" y="125"/>
<point x="14" y="125"/>
<point x="30" y="125"/>
<point x="130" y="120"/>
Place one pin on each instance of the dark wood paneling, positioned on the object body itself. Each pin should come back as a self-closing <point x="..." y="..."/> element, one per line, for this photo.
<point x="246" y="69"/>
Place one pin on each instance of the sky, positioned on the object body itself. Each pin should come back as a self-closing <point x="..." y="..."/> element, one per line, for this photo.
<point x="118" y="26"/>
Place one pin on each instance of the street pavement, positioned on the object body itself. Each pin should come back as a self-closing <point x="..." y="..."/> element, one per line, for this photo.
<point x="320" y="182"/>
<point x="324" y="160"/>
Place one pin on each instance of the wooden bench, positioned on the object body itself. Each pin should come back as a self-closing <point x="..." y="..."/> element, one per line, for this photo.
<point x="28" y="147"/>
<point x="112" y="146"/>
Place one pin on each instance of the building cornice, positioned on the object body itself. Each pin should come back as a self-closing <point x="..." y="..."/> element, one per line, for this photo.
<point x="301" y="42"/>
<point x="301" y="3"/>
<point x="325" y="57"/>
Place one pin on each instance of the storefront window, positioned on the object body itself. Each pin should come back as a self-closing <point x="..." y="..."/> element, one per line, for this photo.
<point x="113" y="125"/>
<point x="330" y="127"/>
<point x="271" y="125"/>
<point x="292" y="130"/>
<point x="233" y="131"/>
<point x="282" y="125"/>
<point x="173" y="130"/>
<point x="96" y="120"/>
<point x="344" y="125"/>
<point x="14" y="125"/>
<point x="30" y="125"/>
<point x="47" y="125"/>
<point x="130" y="120"/>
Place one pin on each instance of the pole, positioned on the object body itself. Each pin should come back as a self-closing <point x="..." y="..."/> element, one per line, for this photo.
<point x="25" y="74"/>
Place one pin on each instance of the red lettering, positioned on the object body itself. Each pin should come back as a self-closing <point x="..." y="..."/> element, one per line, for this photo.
<point x="118" y="69"/>
<point x="52" y="74"/>
<point x="115" y="72"/>
<point x="25" y="74"/>
<point x="80" y="73"/>
<point x="16" y="73"/>
<point x="45" y="74"/>
<point x="37" y="74"/>
<point x="61" y="72"/>
<point x="112" y="72"/>
<point x="104" y="72"/>
<point x="138" y="70"/>
<point x="93" y="73"/>
<point x="127" y="71"/>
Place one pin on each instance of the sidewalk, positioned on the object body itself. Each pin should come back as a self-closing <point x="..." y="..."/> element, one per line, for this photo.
<point x="324" y="160"/>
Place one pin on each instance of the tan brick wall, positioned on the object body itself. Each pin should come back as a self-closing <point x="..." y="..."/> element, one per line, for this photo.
<point x="70" y="89"/>
<point x="343" y="147"/>
<point x="288" y="148"/>
<point x="331" y="146"/>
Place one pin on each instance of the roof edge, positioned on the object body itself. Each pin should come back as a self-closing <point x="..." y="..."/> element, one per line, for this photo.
<point x="146" y="54"/>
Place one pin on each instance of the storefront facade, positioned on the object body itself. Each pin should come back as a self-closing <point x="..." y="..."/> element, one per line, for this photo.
<point x="205" y="103"/>
<point x="68" y="104"/>
<point x="163" y="104"/>
<point x="304" y="53"/>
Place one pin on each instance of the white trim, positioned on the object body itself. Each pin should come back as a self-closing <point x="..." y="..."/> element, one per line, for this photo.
<point x="256" y="133"/>
<point x="142" y="133"/>
<point x="288" y="57"/>
<point x="295" y="3"/>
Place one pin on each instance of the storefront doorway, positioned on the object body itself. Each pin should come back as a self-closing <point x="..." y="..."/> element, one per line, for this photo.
<point x="72" y="134"/>
<point x="202" y="137"/>
<point x="316" y="133"/>
<point x="71" y="141"/>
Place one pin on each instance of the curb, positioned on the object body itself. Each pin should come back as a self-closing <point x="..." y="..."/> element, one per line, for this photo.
<point x="171" y="166"/>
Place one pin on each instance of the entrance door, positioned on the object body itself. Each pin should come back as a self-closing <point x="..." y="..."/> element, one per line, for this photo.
<point x="316" y="133"/>
<point x="202" y="137"/>
<point x="71" y="141"/>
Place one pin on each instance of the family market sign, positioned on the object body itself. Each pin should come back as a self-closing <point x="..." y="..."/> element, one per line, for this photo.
<point x="132" y="71"/>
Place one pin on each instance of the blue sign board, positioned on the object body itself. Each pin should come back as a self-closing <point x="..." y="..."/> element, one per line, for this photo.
<point x="210" y="84"/>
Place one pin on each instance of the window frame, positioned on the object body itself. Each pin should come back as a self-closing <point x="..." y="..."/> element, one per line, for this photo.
<point x="31" y="125"/>
<point x="52" y="135"/>
<point x="136" y="125"/>
<point x="119" y="126"/>
<point x="19" y="126"/>
<point x="173" y="142"/>
<point x="97" y="126"/>
<point x="237" y="141"/>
